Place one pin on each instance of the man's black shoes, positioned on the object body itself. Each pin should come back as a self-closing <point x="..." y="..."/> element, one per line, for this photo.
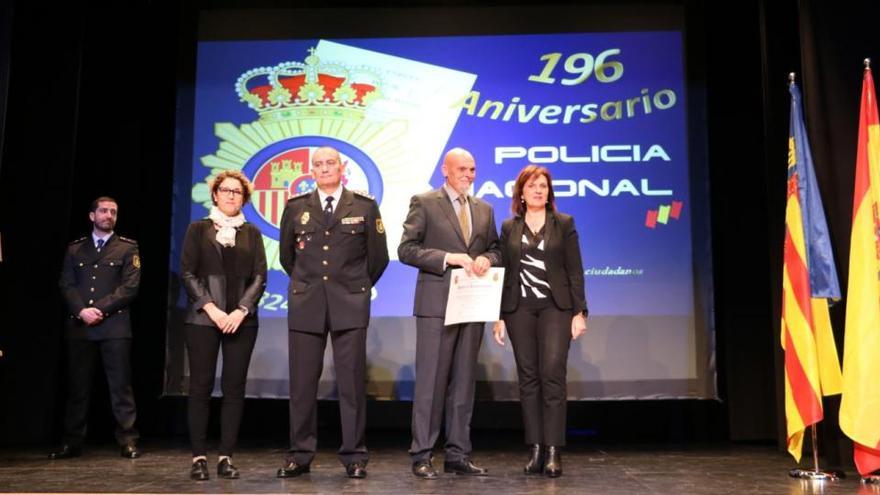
<point x="357" y="470"/>
<point x="66" y="452"/>
<point x="464" y="467"/>
<point x="292" y="470"/>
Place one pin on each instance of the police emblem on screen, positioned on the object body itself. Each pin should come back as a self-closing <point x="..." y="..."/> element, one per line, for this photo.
<point x="302" y="106"/>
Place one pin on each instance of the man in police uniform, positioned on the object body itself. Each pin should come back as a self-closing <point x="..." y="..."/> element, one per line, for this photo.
<point x="333" y="247"/>
<point x="99" y="279"/>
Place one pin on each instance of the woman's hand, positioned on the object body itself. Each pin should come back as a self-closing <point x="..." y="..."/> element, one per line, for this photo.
<point x="498" y="332"/>
<point x="216" y="315"/>
<point x="233" y="320"/>
<point x="578" y="325"/>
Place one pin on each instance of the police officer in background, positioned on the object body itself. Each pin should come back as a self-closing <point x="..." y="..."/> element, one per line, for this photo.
<point x="333" y="247"/>
<point x="99" y="280"/>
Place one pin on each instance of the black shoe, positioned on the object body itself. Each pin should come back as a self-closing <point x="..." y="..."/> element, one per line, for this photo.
<point x="464" y="467"/>
<point x="292" y="470"/>
<point x="424" y="470"/>
<point x="553" y="462"/>
<point x="66" y="452"/>
<point x="130" y="451"/>
<point x="536" y="460"/>
<point x="226" y="470"/>
<point x="356" y="469"/>
<point x="199" y="470"/>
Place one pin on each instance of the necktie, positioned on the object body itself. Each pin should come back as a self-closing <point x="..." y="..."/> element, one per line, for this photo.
<point x="328" y="210"/>
<point x="100" y="244"/>
<point x="463" y="219"/>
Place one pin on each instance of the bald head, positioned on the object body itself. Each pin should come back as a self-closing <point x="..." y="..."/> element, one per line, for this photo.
<point x="460" y="169"/>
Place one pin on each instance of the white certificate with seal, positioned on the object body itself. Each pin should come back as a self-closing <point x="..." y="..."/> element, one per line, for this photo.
<point x="473" y="298"/>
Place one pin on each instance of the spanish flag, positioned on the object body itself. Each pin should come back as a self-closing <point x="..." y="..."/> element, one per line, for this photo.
<point x="860" y="404"/>
<point x="809" y="282"/>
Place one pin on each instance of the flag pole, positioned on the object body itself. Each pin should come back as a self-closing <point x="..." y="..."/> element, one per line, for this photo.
<point x="816" y="474"/>
<point x="871" y="478"/>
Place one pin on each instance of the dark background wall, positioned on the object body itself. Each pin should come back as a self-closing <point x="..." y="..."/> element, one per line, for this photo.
<point x="92" y="96"/>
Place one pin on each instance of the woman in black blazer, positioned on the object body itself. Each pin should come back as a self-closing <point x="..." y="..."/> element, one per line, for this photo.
<point x="543" y="308"/>
<point x="223" y="268"/>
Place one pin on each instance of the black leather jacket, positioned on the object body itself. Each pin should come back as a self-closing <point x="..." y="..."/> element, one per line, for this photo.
<point x="204" y="277"/>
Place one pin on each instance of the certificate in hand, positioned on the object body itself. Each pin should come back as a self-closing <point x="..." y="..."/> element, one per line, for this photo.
<point x="473" y="298"/>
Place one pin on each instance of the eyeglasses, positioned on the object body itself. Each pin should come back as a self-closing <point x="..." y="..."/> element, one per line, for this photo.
<point x="227" y="191"/>
<point x="328" y="163"/>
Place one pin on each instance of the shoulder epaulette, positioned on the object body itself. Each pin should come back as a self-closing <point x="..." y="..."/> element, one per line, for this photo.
<point x="300" y="195"/>
<point x="126" y="239"/>
<point x="364" y="194"/>
<point x="78" y="240"/>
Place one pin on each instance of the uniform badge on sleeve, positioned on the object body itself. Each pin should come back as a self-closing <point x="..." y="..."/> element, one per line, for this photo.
<point x="136" y="261"/>
<point x="380" y="228"/>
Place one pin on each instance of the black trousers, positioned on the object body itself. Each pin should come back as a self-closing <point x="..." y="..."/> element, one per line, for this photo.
<point x="446" y="363"/>
<point x="306" y="361"/>
<point x="202" y="346"/>
<point x="541" y="337"/>
<point x="83" y="356"/>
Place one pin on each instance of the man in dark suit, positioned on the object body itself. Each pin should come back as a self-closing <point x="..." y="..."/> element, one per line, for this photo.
<point x="446" y="228"/>
<point x="99" y="279"/>
<point x="333" y="247"/>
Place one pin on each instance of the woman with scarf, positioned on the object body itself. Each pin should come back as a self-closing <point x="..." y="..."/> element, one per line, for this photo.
<point x="223" y="268"/>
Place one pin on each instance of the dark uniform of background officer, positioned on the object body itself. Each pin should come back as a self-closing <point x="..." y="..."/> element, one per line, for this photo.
<point x="333" y="247"/>
<point x="99" y="279"/>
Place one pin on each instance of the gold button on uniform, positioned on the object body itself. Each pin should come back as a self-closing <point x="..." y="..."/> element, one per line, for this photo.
<point x="326" y="232"/>
<point x="96" y="266"/>
<point x="325" y="277"/>
<point x="324" y="262"/>
<point x="92" y="289"/>
<point x="91" y="301"/>
<point x="326" y="247"/>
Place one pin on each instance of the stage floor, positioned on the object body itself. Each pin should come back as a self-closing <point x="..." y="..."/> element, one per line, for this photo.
<point x="164" y="468"/>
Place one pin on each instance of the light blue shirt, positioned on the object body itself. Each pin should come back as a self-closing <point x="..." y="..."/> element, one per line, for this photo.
<point x="95" y="238"/>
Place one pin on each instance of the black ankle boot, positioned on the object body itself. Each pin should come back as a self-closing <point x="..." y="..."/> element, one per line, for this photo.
<point x="553" y="462"/>
<point x="199" y="470"/>
<point x="225" y="469"/>
<point x="536" y="460"/>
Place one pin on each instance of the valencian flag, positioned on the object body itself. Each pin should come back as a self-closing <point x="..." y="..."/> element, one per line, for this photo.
<point x="809" y="281"/>
<point x="860" y="405"/>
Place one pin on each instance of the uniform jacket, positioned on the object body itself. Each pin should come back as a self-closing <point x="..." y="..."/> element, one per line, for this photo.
<point x="332" y="267"/>
<point x="204" y="278"/>
<point x="107" y="280"/>
<point x="430" y="231"/>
